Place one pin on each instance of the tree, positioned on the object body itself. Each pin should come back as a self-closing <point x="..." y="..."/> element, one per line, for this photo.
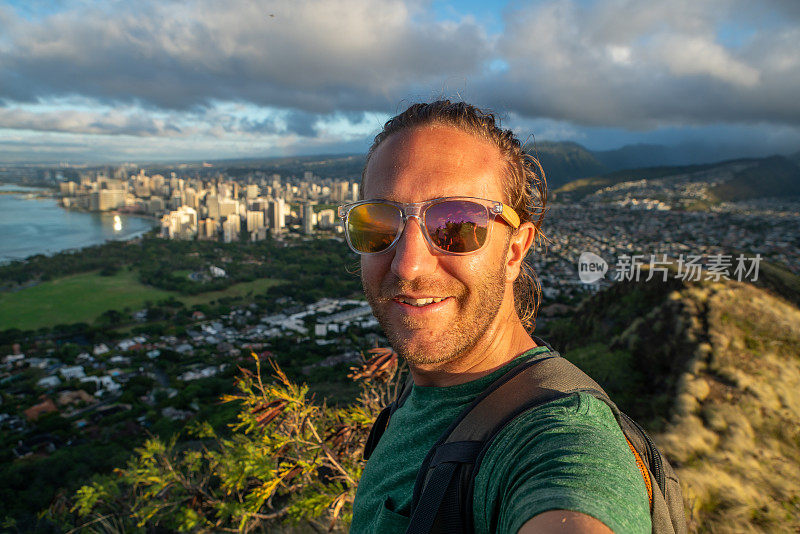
<point x="289" y="459"/>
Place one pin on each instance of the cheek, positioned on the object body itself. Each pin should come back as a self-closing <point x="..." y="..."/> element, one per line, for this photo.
<point x="482" y="269"/>
<point x="467" y="270"/>
<point x="373" y="269"/>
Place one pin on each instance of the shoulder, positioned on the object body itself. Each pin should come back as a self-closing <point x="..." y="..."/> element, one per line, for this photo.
<point x="568" y="454"/>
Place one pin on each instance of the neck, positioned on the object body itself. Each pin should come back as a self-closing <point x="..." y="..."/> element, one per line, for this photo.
<point x="503" y="340"/>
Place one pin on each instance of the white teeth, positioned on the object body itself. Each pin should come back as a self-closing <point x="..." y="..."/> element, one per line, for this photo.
<point x="421" y="302"/>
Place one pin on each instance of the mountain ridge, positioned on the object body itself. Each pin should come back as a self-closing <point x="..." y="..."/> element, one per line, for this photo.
<point x="712" y="370"/>
<point x="566" y="161"/>
<point x="729" y="180"/>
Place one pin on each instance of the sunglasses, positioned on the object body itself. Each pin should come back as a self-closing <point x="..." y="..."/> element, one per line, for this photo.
<point x="452" y="225"/>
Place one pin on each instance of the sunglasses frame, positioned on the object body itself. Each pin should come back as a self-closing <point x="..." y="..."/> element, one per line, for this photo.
<point x="417" y="210"/>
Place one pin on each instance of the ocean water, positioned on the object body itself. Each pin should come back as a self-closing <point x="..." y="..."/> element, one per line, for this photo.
<point x="30" y="226"/>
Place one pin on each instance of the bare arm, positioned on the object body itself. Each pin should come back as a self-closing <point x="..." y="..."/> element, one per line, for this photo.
<point x="564" y="522"/>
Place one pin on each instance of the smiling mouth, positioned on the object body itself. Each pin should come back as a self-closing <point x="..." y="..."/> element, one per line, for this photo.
<point x="419" y="302"/>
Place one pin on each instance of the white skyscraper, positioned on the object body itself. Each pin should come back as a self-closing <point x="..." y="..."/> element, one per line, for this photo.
<point x="180" y="223"/>
<point x="231" y="228"/>
<point x="255" y="220"/>
<point x="251" y="191"/>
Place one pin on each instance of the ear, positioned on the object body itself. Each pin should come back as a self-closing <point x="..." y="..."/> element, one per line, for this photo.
<point x="519" y="244"/>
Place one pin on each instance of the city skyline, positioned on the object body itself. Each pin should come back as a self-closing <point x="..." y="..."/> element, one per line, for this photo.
<point x="91" y="82"/>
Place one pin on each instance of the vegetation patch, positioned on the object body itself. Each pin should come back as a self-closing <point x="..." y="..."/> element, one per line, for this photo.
<point x="76" y="298"/>
<point x="84" y="297"/>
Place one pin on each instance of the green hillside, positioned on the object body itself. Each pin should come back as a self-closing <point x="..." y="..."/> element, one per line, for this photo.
<point x="578" y="189"/>
<point x="563" y="162"/>
<point x="712" y="370"/>
<point x="775" y="176"/>
<point x="771" y="177"/>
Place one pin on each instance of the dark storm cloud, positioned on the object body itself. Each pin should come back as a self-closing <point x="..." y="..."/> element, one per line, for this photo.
<point x="317" y="56"/>
<point x="296" y="122"/>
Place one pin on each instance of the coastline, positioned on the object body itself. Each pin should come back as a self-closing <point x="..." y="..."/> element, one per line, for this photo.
<point x="47" y="228"/>
<point x="111" y="212"/>
<point x="28" y="193"/>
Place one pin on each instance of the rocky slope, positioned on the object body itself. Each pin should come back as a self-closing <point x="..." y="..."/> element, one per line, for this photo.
<point x="713" y="369"/>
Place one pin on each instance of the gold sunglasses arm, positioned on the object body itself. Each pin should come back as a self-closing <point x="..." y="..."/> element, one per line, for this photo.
<point x="510" y="216"/>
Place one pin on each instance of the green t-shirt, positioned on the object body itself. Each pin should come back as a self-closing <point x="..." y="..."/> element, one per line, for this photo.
<point x="568" y="454"/>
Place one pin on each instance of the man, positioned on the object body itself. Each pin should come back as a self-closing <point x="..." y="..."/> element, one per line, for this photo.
<point x="446" y="223"/>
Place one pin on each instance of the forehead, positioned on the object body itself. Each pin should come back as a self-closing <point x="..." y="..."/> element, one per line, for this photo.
<point x="434" y="161"/>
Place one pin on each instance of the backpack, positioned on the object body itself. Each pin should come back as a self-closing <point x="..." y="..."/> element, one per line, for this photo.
<point x="443" y="492"/>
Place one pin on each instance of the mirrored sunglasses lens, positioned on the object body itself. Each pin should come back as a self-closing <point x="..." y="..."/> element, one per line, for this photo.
<point x="457" y="225"/>
<point x="373" y="227"/>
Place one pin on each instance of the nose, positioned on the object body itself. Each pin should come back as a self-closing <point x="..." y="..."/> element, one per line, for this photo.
<point x="413" y="256"/>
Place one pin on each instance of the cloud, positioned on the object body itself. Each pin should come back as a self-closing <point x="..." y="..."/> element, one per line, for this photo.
<point x="89" y="122"/>
<point x="217" y="121"/>
<point x="688" y="56"/>
<point x="644" y="65"/>
<point x="314" y="55"/>
<point x="51" y="147"/>
<point x="284" y="75"/>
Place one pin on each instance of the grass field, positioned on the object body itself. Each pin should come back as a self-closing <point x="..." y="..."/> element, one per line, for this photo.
<point x="83" y="297"/>
<point x="237" y="290"/>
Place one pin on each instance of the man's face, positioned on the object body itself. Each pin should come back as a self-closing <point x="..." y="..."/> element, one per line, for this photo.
<point x="413" y="166"/>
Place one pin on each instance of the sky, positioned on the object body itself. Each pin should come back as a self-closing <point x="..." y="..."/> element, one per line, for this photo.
<point x="150" y="80"/>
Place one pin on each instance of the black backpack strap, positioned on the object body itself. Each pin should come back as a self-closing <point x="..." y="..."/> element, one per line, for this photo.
<point x="442" y="500"/>
<point x="377" y="430"/>
<point x="382" y="421"/>
<point x="436" y="502"/>
<point x="542" y="343"/>
<point x="443" y="492"/>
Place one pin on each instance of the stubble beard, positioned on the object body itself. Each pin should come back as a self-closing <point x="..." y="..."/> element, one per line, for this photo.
<point x="475" y="312"/>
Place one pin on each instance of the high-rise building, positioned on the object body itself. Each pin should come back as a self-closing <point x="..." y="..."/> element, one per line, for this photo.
<point x="141" y="186"/>
<point x="258" y="204"/>
<point x="231" y="228"/>
<point x="155" y="205"/>
<point x="251" y="191"/>
<point x="212" y="204"/>
<point x="106" y="199"/>
<point x="209" y="228"/>
<point x="277" y="217"/>
<point x="68" y="189"/>
<point x="258" y="235"/>
<point x="225" y="191"/>
<point x="308" y="218"/>
<point x="341" y="192"/>
<point x="255" y="220"/>
<point x="180" y="223"/>
<point x="326" y="219"/>
<point x="228" y="206"/>
<point x="157" y="184"/>
<point x="191" y="197"/>
<point x="176" y="200"/>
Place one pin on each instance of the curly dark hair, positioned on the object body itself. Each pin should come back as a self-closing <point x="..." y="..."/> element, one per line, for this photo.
<point x="525" y="187"/>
